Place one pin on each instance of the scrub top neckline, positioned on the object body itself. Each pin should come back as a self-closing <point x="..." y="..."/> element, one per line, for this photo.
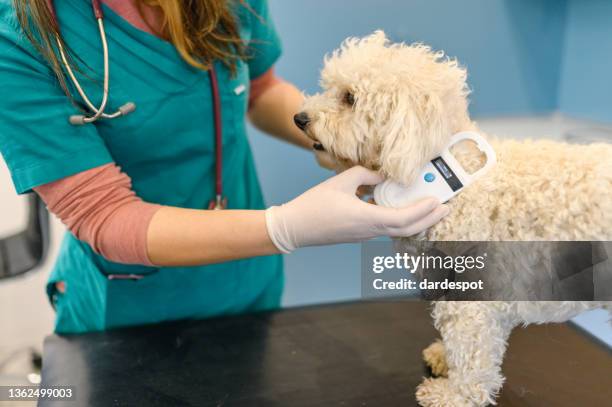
<point x="155" y="43"/>
<point x="118" y="19"/>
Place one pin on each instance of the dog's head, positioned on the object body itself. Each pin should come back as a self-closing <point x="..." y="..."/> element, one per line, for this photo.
<point x="388" y="107"/>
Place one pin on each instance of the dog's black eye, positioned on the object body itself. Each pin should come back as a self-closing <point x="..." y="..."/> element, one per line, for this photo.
<point x="349" y="98"/>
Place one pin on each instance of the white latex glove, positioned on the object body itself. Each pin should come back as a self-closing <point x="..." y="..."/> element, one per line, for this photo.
<point x="331" y="213"/>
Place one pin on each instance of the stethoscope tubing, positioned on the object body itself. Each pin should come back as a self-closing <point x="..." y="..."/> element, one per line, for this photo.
<point x="214" y="85"/>
<point x="219" y="202"/>
<point x="98" y="112"/>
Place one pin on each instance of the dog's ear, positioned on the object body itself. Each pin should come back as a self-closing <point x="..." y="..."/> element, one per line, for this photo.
<point x="416" y="130"/>
<point x="423" y="113"/>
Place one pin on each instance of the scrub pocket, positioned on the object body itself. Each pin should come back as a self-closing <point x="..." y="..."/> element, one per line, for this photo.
<point x="81" y="307"/>
<point x="136" y="302"/>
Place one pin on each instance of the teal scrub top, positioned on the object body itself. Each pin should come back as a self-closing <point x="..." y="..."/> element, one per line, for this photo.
<point x="166" y="146"/>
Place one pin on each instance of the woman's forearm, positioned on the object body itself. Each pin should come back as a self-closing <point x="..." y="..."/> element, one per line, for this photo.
<point x="99" y="207"/>
<point x="185" y="237"/>
<point x="272" y="112"/>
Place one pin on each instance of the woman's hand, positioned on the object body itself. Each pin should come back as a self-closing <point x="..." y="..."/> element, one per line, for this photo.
<point x="332" y="213"/>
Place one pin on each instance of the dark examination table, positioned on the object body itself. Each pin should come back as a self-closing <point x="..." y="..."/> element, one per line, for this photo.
<point x="362" y="354"/>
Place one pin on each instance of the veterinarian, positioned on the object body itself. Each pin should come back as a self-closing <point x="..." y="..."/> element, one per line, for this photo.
<point x="129" y="156"/>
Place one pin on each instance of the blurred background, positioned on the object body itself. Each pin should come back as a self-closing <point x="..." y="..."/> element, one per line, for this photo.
<point x="537" y="68"/>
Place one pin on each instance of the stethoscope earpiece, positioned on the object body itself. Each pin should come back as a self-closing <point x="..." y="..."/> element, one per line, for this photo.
<point x="77" y="120"/>
<point x="80" y="120"/>
<point x="128" y="108"/>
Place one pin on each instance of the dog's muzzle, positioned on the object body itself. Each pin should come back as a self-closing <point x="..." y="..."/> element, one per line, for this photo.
<point x="301" y="120"/>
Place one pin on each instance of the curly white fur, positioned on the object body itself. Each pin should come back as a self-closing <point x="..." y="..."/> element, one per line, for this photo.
<point x="392" y="107"/>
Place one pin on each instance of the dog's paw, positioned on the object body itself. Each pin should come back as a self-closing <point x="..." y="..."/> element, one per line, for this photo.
<point x="442" y="392"/>
<point x="435" y="357"/>
<point x="439" y="393"/>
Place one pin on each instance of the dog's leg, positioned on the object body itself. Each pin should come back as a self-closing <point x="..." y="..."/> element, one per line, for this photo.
<point x="435" y="357"/>
<point x="474" y="335"/>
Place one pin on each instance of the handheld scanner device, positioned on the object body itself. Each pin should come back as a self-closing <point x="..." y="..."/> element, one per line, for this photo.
<point x="443" y="177"/>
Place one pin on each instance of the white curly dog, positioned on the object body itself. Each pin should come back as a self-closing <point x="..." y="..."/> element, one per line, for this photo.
<point x="393" y="108"/>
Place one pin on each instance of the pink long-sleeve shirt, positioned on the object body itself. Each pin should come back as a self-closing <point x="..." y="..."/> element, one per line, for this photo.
<point x="98" y="205"/>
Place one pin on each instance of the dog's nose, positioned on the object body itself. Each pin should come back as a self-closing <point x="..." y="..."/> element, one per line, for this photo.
<point x="301" y="120"/>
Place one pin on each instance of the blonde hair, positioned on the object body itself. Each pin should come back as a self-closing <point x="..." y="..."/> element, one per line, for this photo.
<point x="201" y="30"/>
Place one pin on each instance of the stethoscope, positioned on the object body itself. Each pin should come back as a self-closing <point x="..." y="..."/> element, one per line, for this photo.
<point x="97" y="113"/>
